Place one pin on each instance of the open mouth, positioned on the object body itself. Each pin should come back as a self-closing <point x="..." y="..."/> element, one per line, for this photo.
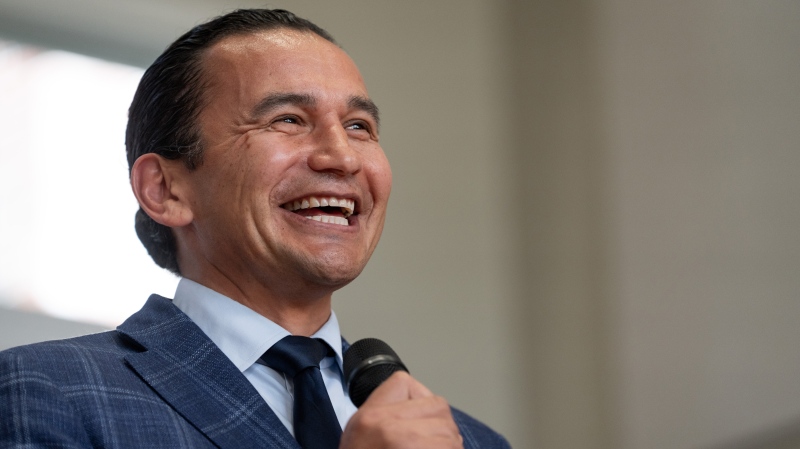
<point x="324" y="209"/>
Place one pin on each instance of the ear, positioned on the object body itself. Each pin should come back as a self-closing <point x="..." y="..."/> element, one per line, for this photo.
<point x="159" y="185"/>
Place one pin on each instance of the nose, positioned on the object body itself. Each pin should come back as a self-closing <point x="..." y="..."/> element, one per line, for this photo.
<point x="333" y="152"/>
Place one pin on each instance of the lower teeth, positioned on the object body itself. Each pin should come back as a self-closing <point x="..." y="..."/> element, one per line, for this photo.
<point x="329" y="219"/>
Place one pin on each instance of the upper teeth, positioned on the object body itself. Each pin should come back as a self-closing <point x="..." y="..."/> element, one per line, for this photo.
<point x="346" y="205"/>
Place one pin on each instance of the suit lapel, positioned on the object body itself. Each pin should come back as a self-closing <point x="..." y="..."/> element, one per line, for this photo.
<point x="190" y="373"/>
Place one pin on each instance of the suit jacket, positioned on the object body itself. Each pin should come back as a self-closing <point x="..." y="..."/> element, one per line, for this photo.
<point x="156" y="382"/>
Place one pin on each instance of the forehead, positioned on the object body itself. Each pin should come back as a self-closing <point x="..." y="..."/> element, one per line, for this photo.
<point x="281" y="60"/>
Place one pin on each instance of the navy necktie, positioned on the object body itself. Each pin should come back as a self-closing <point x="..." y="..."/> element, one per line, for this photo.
<point x="315" y="423"/>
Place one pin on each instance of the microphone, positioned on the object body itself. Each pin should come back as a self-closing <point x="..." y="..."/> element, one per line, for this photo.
<point x="367" y="364"/>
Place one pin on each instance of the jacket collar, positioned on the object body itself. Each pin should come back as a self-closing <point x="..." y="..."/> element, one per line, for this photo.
<point x="193" y="376"/>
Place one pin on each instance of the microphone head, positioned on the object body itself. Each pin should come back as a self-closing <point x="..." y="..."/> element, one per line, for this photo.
<point x="367" y="364"/>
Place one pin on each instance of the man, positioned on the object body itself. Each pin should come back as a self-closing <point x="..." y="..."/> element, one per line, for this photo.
<point x="254" y="155"/>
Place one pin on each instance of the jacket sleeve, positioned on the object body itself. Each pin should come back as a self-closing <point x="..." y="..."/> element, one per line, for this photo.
<point x="476" y="434"/>
<point x="34" y="411"/>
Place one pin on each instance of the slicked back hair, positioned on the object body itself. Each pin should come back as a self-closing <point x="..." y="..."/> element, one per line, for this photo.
<point x="163" y="115"/>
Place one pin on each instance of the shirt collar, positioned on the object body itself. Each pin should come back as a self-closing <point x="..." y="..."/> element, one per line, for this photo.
<point x="242" y="334"/>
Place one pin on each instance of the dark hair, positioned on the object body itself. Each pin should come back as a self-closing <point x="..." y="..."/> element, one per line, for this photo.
<point x="163" y="115"/>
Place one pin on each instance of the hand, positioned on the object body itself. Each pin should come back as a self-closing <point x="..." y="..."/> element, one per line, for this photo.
<point x="401" y="413"/>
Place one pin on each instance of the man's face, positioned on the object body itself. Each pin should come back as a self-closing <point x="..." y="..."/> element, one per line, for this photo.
<point x="293" y="187"/>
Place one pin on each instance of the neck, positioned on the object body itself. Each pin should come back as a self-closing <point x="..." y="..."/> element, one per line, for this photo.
<point x="288" y="299"/>
<point x="301" y="311"/>
<point x="298" y="317"/>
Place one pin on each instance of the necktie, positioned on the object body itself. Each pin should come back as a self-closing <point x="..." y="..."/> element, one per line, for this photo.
<point x="315" y="423"/>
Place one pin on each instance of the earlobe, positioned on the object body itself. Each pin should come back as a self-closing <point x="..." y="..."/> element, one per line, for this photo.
<point x="156" y="183"/>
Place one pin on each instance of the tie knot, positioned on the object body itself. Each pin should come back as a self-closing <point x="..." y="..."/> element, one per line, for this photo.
<point x="293" y="354"/>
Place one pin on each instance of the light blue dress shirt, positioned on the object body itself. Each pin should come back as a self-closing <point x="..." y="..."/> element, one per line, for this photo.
<point x="244" y="336"/>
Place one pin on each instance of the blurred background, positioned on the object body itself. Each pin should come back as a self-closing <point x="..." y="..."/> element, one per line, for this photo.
<point x="594" y="233"/>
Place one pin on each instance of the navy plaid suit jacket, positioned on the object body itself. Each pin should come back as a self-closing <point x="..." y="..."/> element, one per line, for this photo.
<point x="155" y="382"/>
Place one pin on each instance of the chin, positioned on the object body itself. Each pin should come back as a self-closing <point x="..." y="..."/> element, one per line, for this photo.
<point x="335" y="278"/>
<point x="329" y="271"/>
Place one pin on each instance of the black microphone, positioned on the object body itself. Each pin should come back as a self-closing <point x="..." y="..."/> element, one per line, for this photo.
<point x="367" y="364"/>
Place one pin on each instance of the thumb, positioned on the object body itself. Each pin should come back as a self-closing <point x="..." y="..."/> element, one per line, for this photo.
<point x="399" y="387"/>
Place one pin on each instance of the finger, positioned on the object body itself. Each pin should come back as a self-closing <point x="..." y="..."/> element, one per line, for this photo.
<point x="370" y="433"/>
<point x="434" y="408"/>
<point x="411" y="423"/>
<point x="417" y="434"/>
<point x="416" y="390"/>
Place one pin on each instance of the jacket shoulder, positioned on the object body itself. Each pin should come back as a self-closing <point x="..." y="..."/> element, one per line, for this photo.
<point x="38" y="384"/>
<point x="83" y="392"/>
<point x="51" y="355"/>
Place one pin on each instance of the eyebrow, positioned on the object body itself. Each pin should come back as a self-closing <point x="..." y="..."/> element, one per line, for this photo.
<point x="366" y="105"/>
<point x="274" y="101"/>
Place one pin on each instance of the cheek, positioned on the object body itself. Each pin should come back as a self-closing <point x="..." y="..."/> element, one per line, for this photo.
<point x="380" y="174"/>
<point x="276" y="157"/>
<point x="271" y="155"/>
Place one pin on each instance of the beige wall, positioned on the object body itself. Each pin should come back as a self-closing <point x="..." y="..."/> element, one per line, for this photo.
<point x="595" y="212"/>
<point x="700" y="113"/>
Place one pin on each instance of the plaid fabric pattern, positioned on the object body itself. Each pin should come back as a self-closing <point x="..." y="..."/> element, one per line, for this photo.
<point x="155" y="382"/>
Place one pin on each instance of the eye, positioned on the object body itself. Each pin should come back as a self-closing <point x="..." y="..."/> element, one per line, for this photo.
<point x="287" y="124"/>
<point x="287" y="119"/>
<point x="357" y="126"/>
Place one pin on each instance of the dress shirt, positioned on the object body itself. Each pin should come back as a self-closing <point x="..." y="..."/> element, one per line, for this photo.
<point x="244" y="336"/>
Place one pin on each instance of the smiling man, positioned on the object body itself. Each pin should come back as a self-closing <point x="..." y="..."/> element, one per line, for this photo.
<point x="254" y="154"/>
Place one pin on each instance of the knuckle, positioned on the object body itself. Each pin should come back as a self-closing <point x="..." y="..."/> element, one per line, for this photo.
<point x="369" y="420"/>
<point x="363" y="419"/>
<point x="441" y="404"/>
<point x="401" y="375"/>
